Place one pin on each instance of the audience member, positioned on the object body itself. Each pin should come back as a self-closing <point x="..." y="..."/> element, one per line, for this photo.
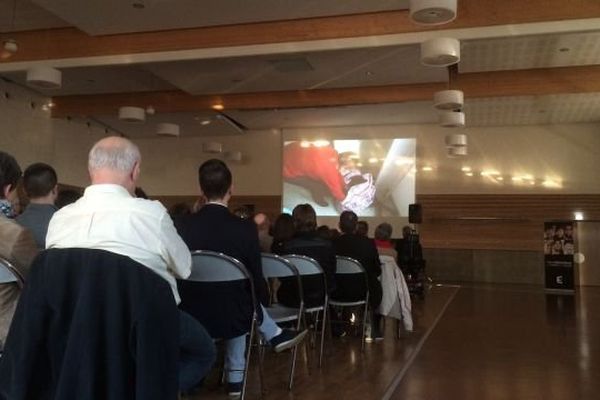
<point x="383" y="235"/>
<point x="179" y="209"/>
<point x="363" y="250"/>
<point x="263" y="224"/>
<point x="41" y="186"/>
<point x="283" y="230"/>
<point x="66" y="197"/>
<point x="362" y="228"/>
<point x="242" y="212"/>
<point x="408" y="248"/>
<point x="140" y="194"/>
<point x="306" y="242"/>
<point x="214" y="228"/>
<point x="109" y="217"/>
<point x="324" y="232"/>
<point x="17" y="244"/>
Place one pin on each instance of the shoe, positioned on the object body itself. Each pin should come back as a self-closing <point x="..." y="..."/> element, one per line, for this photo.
<point x="234" y="389"/>
<point x="286" y="339"/>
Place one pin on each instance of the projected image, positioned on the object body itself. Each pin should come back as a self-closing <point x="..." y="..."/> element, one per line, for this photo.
<point x="370" y="177"/>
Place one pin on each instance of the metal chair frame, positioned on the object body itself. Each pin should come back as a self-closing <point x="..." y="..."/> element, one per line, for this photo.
<point x="244" y="274"/>
<point x="9" y="274"/>
<point x="298" y="261"/>
<point x="274" y="266"/>
<point x="350" y="266"/>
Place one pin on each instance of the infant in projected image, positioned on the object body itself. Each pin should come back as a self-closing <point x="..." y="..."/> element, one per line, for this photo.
<point x="360" y="188"/>
<point x="368" y="177"/>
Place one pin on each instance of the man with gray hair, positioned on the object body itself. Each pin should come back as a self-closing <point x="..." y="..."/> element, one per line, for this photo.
<point x="109" y="217"/>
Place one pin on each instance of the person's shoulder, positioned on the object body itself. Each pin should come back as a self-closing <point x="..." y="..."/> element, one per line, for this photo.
<point x="153" y="207"/>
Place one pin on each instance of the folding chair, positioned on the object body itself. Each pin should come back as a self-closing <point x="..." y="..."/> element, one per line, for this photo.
<point x="307" y="266"/>
<point x="349" y="266"/>
<point x="274" y="266"/>
<point x="212" y="267"/>
<point x="9" y="274"/>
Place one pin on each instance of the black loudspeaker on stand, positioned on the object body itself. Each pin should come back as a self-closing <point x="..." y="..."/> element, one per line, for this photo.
<point x="415" y="213"/>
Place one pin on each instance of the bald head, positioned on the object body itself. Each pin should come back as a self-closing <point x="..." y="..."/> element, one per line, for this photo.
<point x="115" y="160"/>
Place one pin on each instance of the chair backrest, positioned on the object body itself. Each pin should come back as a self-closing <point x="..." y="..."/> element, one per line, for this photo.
<point x="210" y="266"/>
<point x="305" y="265"/>
<point x="347" y="265"/>
<point x="274" y="266"/>
<point x="7" y="272"/>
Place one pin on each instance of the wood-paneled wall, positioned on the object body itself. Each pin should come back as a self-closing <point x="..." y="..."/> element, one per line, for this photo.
<point x="498" y="222"/>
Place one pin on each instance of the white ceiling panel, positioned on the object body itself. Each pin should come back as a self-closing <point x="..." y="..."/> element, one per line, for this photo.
<point x="26" y="16"/>
<point x="118" y="16"/>
<point x="533" y="110"/>
<point x="342" y="68"/>
<point x="526" y="52"/>
<point x="100" y="80"/>
<point x="190" y="125"/>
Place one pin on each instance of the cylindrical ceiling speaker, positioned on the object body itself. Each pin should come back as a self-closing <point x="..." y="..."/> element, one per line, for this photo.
<point x="458" y="151"/>
<point x="432" y="12"/>
<point x="456" y="140"/>
<point x="44" y="77"/>
<point x="448" y="100"/>
<point x="452" y="119"/>
<point x="212" y="147"/>
<point x="167" y="129"/>
<point x="440" y="52"/>
<point x="234" y="156"/>
<point x="132" y="114"/>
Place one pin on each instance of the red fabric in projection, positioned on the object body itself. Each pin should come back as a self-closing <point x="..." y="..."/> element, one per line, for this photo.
<point x="318" y="163"/>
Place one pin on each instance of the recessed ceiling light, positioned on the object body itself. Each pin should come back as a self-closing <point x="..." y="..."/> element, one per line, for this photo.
<point x="466" y="169"/>
<point x="468" y="173"/>
<point x="218" y="107"/>
<point x="205" y="122"/>
<point x="427" y="169"/>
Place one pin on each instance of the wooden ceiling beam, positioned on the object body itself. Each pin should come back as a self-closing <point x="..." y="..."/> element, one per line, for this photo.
<point x="67" y="43"/>
<point x="582" y="79"/>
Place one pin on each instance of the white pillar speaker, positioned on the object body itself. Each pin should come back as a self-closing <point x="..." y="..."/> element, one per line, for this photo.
<point x="452" y="119"/>
<point x="212" y="147"/>
<point x="132" y="114"/>
<point x="456" y="151"/>
<point x="167" y="129"/>
<point x="432" y="12"/>
<point x="456" y="140"/>
<point x="440" y="52"/>
<point x="448" y="100"/>
<point x="44" y="77"/>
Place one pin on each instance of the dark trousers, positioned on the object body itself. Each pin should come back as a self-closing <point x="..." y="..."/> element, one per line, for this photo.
<point x="197" y="352"/>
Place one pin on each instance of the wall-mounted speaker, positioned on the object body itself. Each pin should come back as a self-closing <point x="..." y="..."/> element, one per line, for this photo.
<point x="415" y="213"/>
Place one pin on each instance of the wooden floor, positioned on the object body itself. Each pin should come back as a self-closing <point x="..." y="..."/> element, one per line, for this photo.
<point x="477" y="342"/>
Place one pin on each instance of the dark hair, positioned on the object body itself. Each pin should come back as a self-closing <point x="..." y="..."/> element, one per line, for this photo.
<point x="406" y="231"/>
<point x="180" y="209"/>
<point x="242" y="212"/>
<point x="10" y="172"/>
<point x="362" y="228"/>
<point x="305" y="218"/>
<point x="38" y="180"/>
<point x="348" y="221"/>
<point x="66" y="197"/>
<point x="140" y="194"/>
<point x="324" y="232"/>
<point x="383" y="231"/>
<point x="283" y="228"/>
<point x="215" y="179"/>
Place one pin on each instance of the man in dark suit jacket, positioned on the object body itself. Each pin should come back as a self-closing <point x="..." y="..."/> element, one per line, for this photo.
<point x="215" y="228"/>
<point x="361" y="248"/>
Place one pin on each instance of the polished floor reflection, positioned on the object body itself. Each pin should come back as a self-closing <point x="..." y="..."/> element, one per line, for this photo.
<point x="476" y="342"/>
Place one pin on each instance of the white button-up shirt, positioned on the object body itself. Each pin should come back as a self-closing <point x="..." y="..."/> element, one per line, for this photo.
<point x="108" y="218"/>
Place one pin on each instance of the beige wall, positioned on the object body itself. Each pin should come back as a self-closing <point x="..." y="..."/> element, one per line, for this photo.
<point x="570" y="153"/>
